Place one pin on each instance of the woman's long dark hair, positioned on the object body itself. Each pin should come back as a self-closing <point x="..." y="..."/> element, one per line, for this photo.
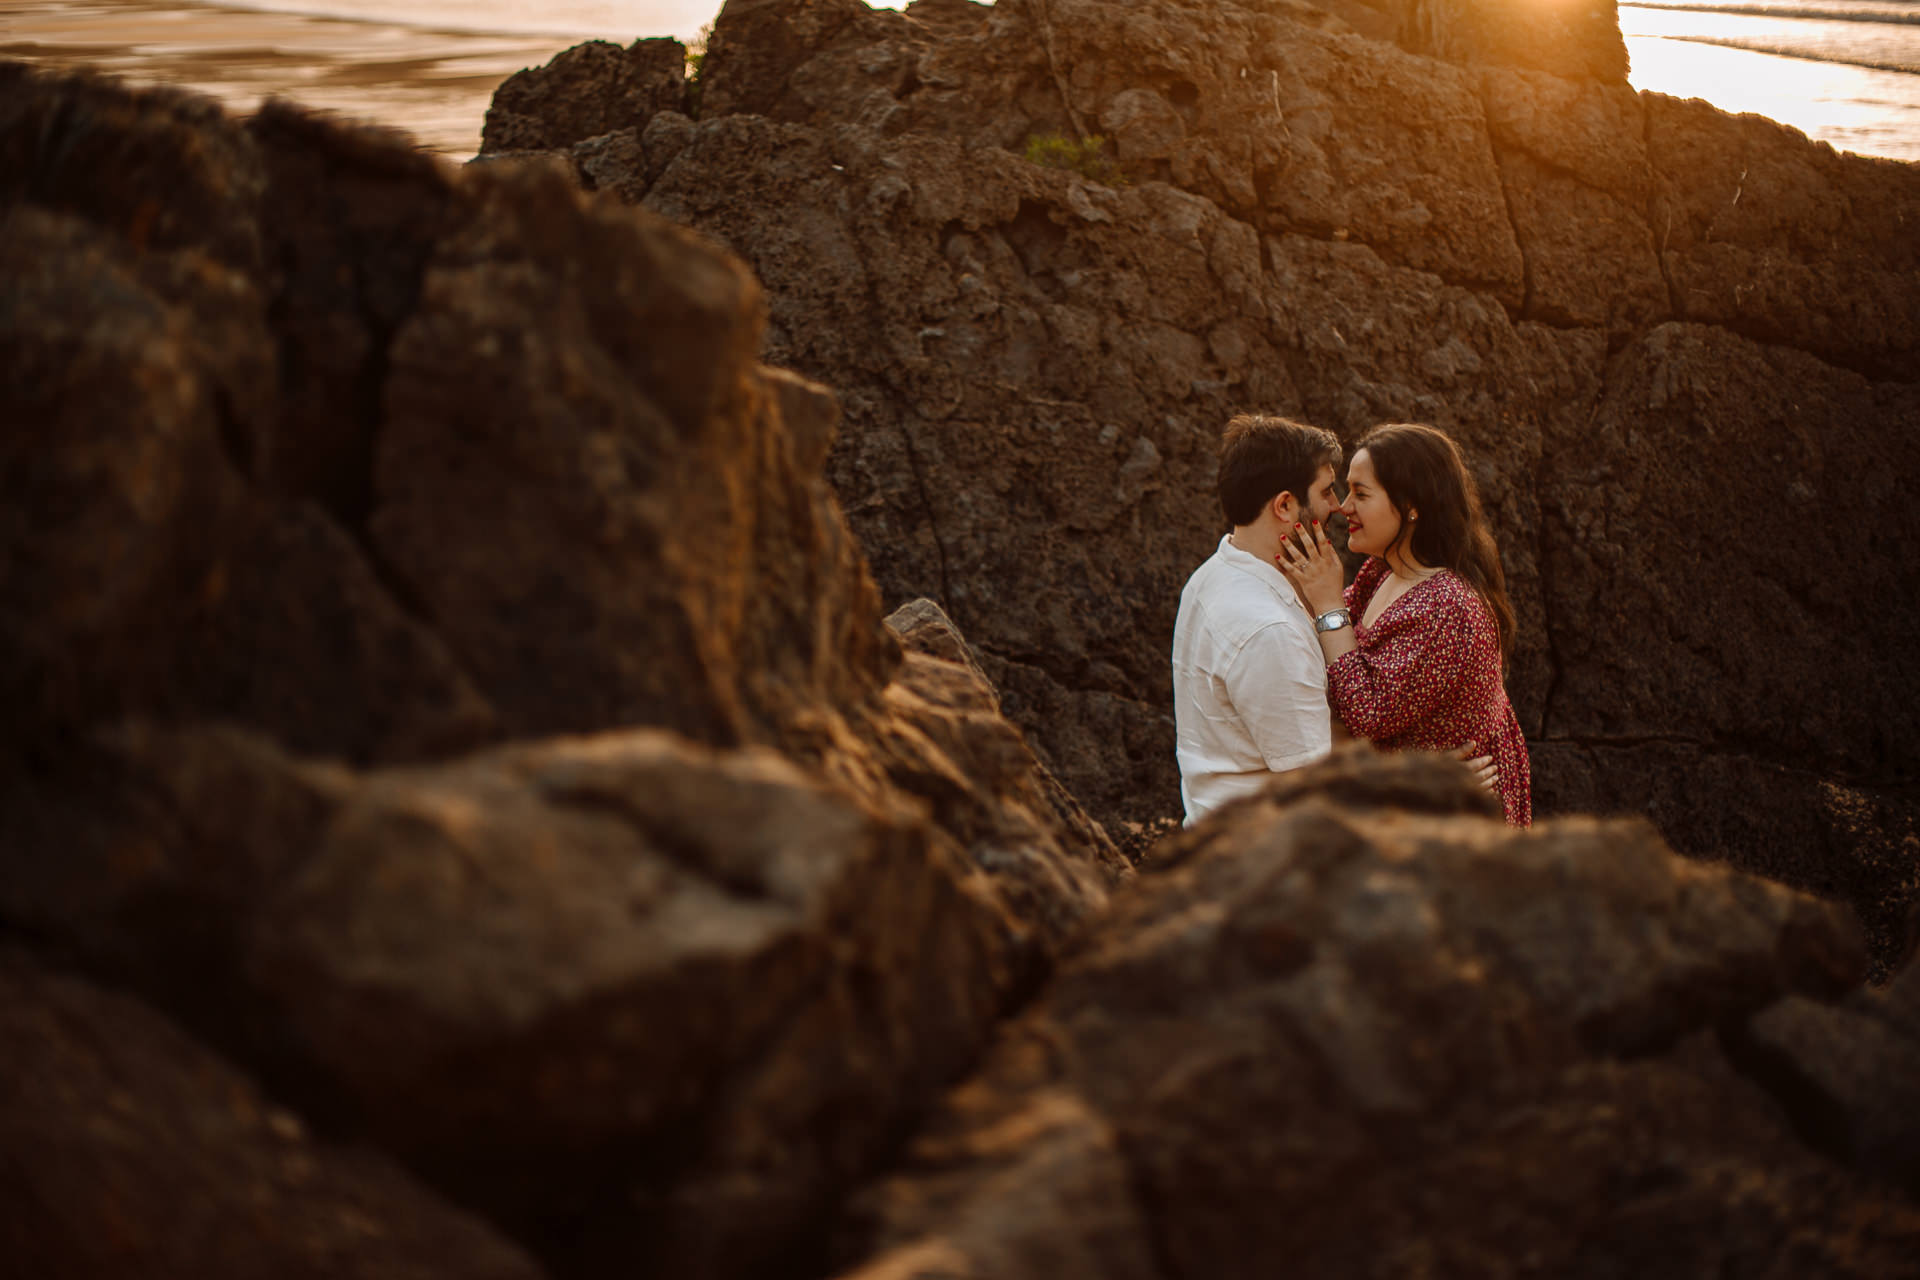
<point x="1421" y="470"/>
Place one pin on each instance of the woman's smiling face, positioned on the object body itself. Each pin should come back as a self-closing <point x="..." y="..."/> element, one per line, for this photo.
<point x="1372" y="523"/>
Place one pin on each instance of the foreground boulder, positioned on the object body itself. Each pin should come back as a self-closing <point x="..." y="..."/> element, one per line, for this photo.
<point x="626" y="992"/>
<point x="440" y="677"/>
<point x="1643" y="319"/>
<point x="420" y="484"/>
<point x="1367" y="1039"/>
<point x="130" y="1150"/>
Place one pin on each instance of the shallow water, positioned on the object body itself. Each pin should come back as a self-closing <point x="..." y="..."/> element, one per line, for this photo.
<point x="1845" y="71"/>
<point x="435" y="84"/>
<point x="431" y="66"/>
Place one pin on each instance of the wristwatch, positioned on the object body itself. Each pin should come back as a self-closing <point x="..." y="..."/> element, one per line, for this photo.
<point x="1333" y="620"/>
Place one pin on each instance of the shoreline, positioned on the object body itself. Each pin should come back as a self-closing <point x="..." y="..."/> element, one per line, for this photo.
<point x="1864" y="111"/>
<point x="436" y="83"/>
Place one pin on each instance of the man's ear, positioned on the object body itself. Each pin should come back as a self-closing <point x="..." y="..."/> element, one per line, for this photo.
<point x="1284" y="509"/>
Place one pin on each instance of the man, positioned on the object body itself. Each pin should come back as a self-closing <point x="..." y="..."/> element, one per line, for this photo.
<point x="1249" y="682"/>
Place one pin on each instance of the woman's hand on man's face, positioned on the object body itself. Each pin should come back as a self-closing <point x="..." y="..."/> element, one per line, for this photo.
<point x="1314" y="567"/>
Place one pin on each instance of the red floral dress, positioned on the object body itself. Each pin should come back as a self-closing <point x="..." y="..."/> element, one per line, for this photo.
<point x="1426" y="677"/>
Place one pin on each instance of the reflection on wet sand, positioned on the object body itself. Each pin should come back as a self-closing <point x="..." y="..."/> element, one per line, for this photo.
<point x="433" y="84"/>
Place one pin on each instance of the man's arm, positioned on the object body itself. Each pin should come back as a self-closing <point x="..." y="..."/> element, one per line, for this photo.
<point x="1278" y="685"/>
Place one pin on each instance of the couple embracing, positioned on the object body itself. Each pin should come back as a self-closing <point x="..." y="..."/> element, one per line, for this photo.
<point x="1274" y="657"/>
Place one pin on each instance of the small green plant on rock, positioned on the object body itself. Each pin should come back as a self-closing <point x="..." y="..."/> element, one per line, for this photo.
<point x="696" y="62"/>
<point x="1085" y="156"/>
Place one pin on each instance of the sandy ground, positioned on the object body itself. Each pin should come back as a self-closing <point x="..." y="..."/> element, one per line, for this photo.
<point x="434" y="84"/>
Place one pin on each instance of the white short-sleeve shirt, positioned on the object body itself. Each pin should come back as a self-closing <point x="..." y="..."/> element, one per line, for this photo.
<point x="1249" y="681"/>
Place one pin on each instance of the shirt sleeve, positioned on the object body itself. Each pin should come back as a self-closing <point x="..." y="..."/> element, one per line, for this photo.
<point x="1278" y="687"/>
<point x="1404" y="672"/>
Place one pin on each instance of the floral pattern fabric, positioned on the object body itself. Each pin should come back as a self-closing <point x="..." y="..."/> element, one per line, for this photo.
<point x="1426" y="677"/>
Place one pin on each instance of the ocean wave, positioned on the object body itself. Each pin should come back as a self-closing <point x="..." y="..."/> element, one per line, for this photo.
<point x="1898" y="15"/>
<point x="1808" y="55"/>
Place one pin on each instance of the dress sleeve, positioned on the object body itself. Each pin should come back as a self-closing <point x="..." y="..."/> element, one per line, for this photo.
<point x="1406" y="670"/>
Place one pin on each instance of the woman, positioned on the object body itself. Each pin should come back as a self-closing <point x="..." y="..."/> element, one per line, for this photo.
<point x="1416" y="648"/>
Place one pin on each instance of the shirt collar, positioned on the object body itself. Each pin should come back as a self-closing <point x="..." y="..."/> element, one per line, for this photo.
<point x="1247" y="562"/>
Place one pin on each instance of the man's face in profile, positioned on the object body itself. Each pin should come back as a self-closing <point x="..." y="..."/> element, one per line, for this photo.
<point x="1322" y="500"/>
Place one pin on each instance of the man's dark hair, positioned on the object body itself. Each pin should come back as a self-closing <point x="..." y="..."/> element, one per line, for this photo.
<point x="1262" y="456"/>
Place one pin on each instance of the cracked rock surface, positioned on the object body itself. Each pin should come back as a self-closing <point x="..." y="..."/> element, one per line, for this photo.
<point x="462" y="808"/>
<point x="1681" y="347"/>
<point x="1344" y="1027"/>
<point x="132" y="1150"/>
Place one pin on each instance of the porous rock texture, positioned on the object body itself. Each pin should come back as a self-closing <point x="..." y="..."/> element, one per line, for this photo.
<point x="130" y="1150"/>
<point x="439" y="677"/>
<point x="546" y="107"/>
<point x="1352" y="1030"/>
<point x="457" y="785"/>
<point x="1681" y="348"/>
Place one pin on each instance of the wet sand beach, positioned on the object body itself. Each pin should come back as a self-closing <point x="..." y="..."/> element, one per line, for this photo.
<point x="433" y="83"/>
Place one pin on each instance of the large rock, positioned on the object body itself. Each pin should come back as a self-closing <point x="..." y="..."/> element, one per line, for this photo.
<point x="1851" y="1080"/>
<point x="1578" y="180"/>
<point x="627" y="991"/>
<point x="630" y="994"/>
<point x="655" y="998"/>
<point x="1282" y="125"/>
<point x="589" y="90"/>
<point x="1110" y="334"/>
<point x="1785" y="241"/>
<point x="1314" y="220"/>
<point x="1704" y="440"/>
<point x="127" y="1149"/>
<point x="1854" y="843"/>
<point x="1370" y="1039"/>
<point x="141" y="542"/>
<point x="373" y="462"/>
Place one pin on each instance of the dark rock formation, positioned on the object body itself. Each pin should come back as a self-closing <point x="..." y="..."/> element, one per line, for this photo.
<point x="127" y="1149"/>
<point x="592" y="89"/>
<point x="1851" y="1078"/>
<point x="1785" y="242"/>
<point x="1369" y="1040"/>
<point x="326" y="465"/>
<point x="439" y="676"/>
<point x="137" y="264"/>
<point x="1680" y="347"/>
<point x="603" y="973"/>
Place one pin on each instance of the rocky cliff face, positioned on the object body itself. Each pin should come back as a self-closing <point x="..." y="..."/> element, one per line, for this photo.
<point x="1680" y="346"/>
<point x="461" y="809"/>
